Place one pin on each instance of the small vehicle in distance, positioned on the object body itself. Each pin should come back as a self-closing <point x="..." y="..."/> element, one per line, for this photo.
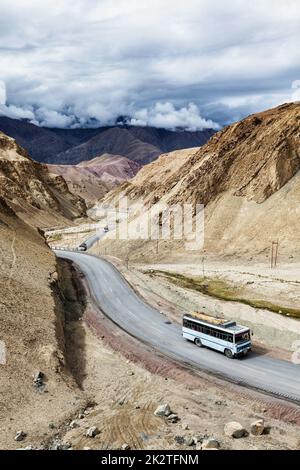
<point x="82" y="247"/>
<point x="105" y="229"/>
<point x="222" y="335"/>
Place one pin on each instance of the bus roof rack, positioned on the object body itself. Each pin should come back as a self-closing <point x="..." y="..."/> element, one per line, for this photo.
<point x="219" y="322"/>
<point x="210" y="319"/>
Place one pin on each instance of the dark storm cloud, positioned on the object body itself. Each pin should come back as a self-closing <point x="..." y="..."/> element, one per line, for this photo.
<point x="164" y="63"/>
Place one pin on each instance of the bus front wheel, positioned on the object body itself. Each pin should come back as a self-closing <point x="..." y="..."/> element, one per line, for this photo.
<point x="198" y="342"/>
<point x="228" y="353"/>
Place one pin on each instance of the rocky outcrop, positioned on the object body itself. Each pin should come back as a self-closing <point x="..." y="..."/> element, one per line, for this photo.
<point x="27" y="186"/>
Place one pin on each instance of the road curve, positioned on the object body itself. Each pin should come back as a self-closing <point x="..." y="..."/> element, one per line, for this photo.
<point x="123" y="306"/>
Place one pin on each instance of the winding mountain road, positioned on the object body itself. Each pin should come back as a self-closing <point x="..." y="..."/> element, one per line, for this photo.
<point x="118" y="301"/>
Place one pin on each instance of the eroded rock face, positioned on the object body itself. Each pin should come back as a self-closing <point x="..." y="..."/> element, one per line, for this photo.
<point x="253" y="158"/>
<point x="26" y="184"/>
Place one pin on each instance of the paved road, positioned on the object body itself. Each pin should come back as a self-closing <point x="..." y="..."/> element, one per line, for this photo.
<point x="94" y="238"/>
<point x="123" y="306"/>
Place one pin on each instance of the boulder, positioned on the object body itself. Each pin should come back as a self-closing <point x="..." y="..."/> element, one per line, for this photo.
<point x="179" y="440"/>
<point x="60" y="445"/>
<point x="234" y="429"/>
<point x="20" y="436"/>
<point x="38" y="376"/>
<point x="172" y="418"/>
<point x="74" y="424"/>
<point x="189" y="441"/>
<point x="257" y="427"/>
<point x="163" y="410"/>
<point x="125" y="447"/>
<point x="210" y="443"/>
<point x="92" y="431"/>
<point x="38" y="380"/>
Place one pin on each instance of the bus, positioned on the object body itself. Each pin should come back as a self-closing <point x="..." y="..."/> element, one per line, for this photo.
<point x="225" y="336"/>
<point x="82" y="247"/>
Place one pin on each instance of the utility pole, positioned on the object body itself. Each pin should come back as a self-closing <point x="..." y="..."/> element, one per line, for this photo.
<point x="274" y="254"/>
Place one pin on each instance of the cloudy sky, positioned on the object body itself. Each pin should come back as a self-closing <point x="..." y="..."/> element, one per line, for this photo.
<point x="166" y="63"/>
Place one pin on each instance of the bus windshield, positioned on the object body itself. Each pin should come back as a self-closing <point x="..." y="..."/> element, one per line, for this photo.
<point x="242" y="337"/>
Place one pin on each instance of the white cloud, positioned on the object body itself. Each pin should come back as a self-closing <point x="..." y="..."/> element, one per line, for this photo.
<point x="82" y="60"/>
<point x="166" y="115"/>
<point x="2" y="92"/>
<point x="11" y="110"/>
<point x="49" y="118"/>
<point x="16" y="112"/>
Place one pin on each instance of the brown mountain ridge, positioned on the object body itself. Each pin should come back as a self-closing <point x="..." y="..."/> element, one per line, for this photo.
<point x="247" y="176"/>
<point x="30" y="191"/>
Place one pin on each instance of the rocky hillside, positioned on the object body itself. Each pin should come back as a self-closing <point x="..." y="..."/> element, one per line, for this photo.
<point x="253" y="158"/>
<point x="246" y="176"/>
<point x="94" y="178"/>
<point x="32" y="325"/>
<point x="71" y="146"/>
<point x="30" y="190"/>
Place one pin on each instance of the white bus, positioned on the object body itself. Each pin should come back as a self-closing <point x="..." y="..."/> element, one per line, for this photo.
<point x="222" y="335"/>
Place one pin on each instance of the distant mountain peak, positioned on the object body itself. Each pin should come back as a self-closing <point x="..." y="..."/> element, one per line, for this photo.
<point x="69" y="146"/>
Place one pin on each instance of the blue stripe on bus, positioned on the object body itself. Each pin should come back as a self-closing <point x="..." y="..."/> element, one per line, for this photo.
<point x="214" y="342"/>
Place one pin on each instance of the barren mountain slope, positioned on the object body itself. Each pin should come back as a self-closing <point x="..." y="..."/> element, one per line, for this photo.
<point x="246" y="176"/>
<point x="29" y="189"/>
<point x="115" y="141"/>
<point x="92" y="179"/>
<point x="140" y="144"/>
<point x="31" y="327"/>
<point x="254" y="158"/>
<point x="70" y="146"/>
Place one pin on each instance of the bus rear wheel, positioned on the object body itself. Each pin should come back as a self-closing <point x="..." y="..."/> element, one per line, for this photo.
<point x="198" y="342"/>
<point x="228" y="353"/>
